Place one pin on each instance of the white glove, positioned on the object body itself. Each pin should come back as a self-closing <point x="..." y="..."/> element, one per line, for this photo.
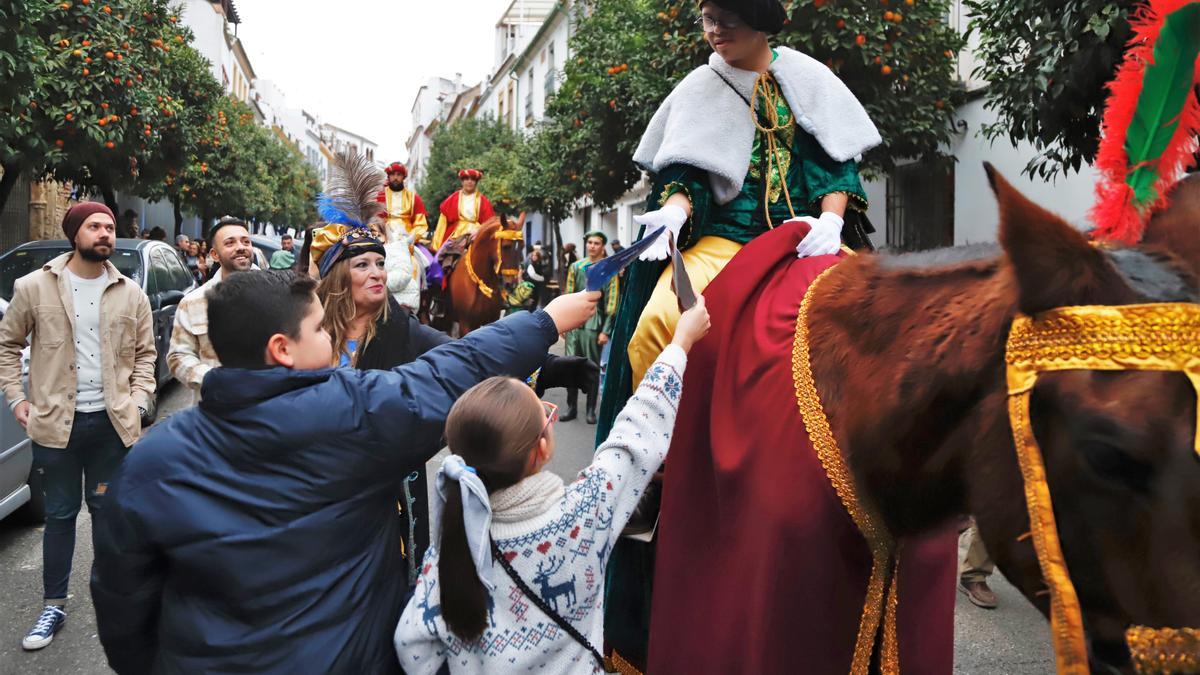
<point x="670" y="215"/>
<point x="825" y="237"/>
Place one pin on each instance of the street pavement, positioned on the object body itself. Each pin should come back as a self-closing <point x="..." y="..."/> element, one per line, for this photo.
<point x="1013" y="639"/>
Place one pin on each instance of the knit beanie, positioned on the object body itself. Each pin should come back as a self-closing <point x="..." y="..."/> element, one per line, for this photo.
<point x="76" y="215"/>
<point x="761" y="15"/>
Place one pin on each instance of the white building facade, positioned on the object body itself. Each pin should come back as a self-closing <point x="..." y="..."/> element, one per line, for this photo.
<point x="430" y="107"/>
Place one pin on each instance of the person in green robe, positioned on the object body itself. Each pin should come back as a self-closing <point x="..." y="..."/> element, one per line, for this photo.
<point x="589" y="340"/>
<point x="758" y="137"/>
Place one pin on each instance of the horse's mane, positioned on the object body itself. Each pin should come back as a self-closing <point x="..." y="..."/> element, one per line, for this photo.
<point x="1148" y="271"/>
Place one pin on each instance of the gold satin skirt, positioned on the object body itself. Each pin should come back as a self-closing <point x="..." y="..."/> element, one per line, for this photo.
<point x="656" y="325"/>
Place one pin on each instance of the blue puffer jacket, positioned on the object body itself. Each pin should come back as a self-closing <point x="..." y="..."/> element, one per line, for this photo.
<point x="259" y="532"/>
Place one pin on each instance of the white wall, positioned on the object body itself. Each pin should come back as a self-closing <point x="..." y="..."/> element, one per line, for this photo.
<point x="975" y="215"/>
<point x="209" y="28"/>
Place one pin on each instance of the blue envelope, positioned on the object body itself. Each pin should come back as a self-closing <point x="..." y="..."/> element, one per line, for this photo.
<point x="603" y="271"/>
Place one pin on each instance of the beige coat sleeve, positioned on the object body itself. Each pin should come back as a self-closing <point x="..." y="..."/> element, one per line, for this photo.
<point x="14" y="329"/>
<point x="183" y="358"/>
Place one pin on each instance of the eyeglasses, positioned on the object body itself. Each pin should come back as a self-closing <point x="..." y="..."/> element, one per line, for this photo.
<point x="551" y="416"/>
<point x="709" y="24"/>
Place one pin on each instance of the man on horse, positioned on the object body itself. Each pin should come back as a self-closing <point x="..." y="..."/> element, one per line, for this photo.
<point x="759" y="136"/>
<point x="462" y="214"/>
<point x="405" y="216"/>
<point x="590" y="339"/>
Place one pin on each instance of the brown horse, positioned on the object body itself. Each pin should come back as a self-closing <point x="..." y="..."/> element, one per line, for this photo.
<point x="491" y="265"/>
<point x="927" y="343"/>
<point x="908" y="356"/>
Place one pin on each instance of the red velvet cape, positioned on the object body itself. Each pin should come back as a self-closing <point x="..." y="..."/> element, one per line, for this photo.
<point x="449" y="208"/>
<point x="759" y="567"/>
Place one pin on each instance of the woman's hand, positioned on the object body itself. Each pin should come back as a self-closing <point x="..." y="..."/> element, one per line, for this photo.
<point x="692" y="326"/>
<point x="572" y="311"/>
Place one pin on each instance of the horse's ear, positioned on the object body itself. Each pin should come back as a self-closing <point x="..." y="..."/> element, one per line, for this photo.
<point x="1177" y="228"/>
<point x="1054" y="264"/>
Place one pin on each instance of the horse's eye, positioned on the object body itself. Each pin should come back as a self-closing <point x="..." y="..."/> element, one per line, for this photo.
<point x="1115" y="465"/>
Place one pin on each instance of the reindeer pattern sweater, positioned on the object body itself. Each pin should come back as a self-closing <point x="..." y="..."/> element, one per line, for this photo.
<point x="558" y="539"/>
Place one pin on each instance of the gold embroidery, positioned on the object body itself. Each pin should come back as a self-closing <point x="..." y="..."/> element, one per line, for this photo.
<point x="1160" y="336"/>
<point x="778" y="128"/>
<point x="868" y="522"/>
<point x="1166" y="651"/>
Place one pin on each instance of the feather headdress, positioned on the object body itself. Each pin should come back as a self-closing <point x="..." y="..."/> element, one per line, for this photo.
<point x="351" y="193"/>
<point x="1150" y="128"/>
<point x="347" y="206"/>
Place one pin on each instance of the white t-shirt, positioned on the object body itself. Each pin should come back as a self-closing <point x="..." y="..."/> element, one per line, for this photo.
<point x="89" y="389"/>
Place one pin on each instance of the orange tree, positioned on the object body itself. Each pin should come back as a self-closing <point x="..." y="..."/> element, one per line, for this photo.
<point x="1047" y="67"/>
<point x="97" y="75"/>
<point x="897" y="56"/>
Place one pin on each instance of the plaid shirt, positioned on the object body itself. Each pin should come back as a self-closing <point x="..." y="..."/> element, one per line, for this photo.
<point x="192" y="355"/>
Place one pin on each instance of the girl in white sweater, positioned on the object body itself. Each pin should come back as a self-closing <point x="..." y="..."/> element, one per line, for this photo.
<point x="493" y="496"/>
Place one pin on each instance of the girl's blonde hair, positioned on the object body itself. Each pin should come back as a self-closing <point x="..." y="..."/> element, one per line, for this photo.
<point x="336" y="294"/>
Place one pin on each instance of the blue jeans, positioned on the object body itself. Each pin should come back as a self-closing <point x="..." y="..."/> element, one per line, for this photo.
<point x="92" y="456"/>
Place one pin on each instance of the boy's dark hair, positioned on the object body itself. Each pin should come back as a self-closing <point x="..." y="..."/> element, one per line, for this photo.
<point x="224" y="222"/>
<point x="247" y="308"/>
<point x="285" y="235"/>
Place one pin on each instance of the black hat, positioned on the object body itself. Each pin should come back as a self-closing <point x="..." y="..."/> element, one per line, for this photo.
<point x="761" y="15"/>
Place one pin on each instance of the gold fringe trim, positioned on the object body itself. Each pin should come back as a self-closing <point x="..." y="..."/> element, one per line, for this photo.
<point x="617" y="664"/>
<point x="1164" y="651"/>
<point x="881" y="593"/>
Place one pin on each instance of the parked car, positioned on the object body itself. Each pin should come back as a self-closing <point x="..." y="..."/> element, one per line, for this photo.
<point x="155" y="266"/>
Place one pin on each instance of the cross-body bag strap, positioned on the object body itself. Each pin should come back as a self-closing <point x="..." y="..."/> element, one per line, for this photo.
<point x="536" y="599"/>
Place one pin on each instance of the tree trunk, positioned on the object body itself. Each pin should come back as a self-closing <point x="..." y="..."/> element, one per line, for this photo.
<point x="178" y="218"/>
<point x="110" y="199"/>
<point x="12" y="172"/>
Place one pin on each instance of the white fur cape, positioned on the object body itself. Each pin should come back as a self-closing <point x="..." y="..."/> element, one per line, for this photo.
<point x="705" y="124"/>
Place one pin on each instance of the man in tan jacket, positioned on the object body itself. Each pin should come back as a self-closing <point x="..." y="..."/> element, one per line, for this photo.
<point x="91" y="378"/>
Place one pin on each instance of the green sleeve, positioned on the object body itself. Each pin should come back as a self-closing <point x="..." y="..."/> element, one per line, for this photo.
<point x="823" y="175"/>
<point x="694" y="183"/>
<point x="571" y="279"/>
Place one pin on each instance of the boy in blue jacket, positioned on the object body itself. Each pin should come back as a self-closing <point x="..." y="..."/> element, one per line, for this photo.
<point x="259" y="531"/>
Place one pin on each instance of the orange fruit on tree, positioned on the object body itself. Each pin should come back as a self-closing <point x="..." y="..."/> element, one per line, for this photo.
<point x="110" y="145"/>
<point x="841" y="23"/>
<point x="88" y="60"/>
<point x="104" y="106"/>
<point x="65" y="5"/>
<point x="69" y="117"/>
<point x="860" y="40"/>
<point x="59" y="142"/>
<point x="86" y="43"/>
<point x="86" y="72"/>
<point x="179" y="39"/>
<point x="103" y="121"/>
<point x="818" y="3"/>
<point x="77" y="52"/>
<point x="887" y="16"/>
<point x="107" y="9"/>
<point x="110" y="56"/>
<point x="886" y="70"/>
<point x="897" y="17"/>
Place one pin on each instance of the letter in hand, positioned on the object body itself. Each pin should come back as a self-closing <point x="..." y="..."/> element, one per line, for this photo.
<point x="572" y="311"/>
<point x="693" y="325"/>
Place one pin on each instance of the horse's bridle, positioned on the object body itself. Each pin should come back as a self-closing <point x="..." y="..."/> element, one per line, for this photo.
<point x="500" y="236"/>
<point x="1157" y="337"/>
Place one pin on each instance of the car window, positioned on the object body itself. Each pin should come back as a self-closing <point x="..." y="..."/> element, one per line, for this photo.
<point x="20" y="262"/>
<point x="181" y="277"/>
<point x="160" y="273"/>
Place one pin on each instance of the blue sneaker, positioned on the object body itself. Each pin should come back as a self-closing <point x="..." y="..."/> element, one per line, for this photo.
<point x="43" y="631"/>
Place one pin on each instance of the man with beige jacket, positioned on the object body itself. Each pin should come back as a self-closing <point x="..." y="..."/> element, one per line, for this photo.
<point x="91" y="378"/>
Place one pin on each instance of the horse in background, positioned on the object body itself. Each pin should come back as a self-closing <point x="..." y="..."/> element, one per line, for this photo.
<point x="490" y="267"/>
<point x="906" y="356"/>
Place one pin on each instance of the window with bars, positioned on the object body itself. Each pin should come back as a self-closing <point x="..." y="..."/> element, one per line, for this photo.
<point x="920" y="206"/>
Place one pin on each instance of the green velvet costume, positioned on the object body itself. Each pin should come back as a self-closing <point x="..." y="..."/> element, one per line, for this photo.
<point x="585" y="341"/>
